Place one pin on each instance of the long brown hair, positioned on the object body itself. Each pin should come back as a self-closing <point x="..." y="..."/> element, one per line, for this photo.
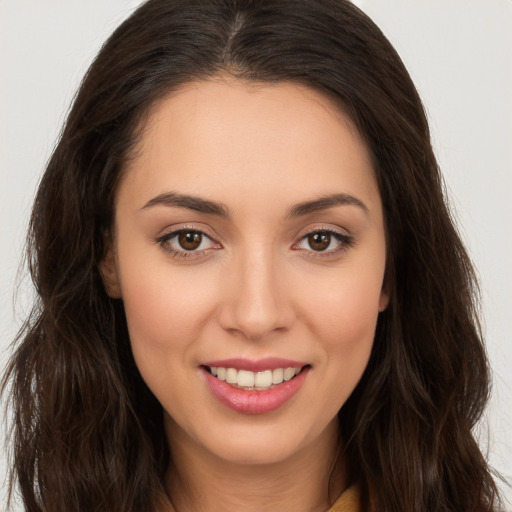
<point x="87" y="433"/>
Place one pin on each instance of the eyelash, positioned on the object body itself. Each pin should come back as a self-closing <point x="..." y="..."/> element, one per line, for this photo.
<point x="165" y="240"/>
<point x="345" y="242"/>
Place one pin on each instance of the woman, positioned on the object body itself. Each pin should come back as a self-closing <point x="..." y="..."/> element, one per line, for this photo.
<point x="251" y="293"/>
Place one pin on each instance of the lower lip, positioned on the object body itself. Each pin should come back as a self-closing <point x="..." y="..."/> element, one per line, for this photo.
<point x="255" y="402"/>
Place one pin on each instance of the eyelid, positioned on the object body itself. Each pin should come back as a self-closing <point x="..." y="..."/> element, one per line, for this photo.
<point x="346" y="240"/>
<point x="322" y="226"/>
<point x="173" y="231"/>
<point x="187" y="226"/>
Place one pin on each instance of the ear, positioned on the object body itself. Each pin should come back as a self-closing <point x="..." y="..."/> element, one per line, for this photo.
<point x="383" y="300"/>
<point x="385" y="291"/>
<point x="109" y="274"/>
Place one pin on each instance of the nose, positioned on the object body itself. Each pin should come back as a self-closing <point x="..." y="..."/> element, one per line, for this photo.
<point x="256" y="299"/>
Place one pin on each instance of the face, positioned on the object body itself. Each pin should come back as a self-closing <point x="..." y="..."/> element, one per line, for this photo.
<point x="249" y="253"/>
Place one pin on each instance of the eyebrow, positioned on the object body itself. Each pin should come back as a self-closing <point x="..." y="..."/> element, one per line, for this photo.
<point x="198" y="204"/>
<point x="326" y="202"/>
<point x="190" y="202"/>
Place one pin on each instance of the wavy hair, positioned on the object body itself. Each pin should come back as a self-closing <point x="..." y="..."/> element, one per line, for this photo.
<point x="87" y="433"/>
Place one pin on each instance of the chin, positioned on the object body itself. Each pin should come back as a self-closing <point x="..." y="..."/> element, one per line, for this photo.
<point x="254" y="452"/>
<point x="263" y="443"/>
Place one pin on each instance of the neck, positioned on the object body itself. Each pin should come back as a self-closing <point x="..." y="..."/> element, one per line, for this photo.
<point x="309" y="480"/>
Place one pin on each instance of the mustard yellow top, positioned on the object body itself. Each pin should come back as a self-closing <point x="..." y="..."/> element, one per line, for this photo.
<point x="349" y="501"/>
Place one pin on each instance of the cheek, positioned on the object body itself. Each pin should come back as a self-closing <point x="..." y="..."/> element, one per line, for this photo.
<point x="161" y="310"/>
<point x="348" y="343"/>
<point x="149" y="307"/>
<point x="342" y="314"/>
<point x="165" y="316"/>
<point x="345" y="306"/>
<point x="166" y="308"/>
<point x="349" y="330"/>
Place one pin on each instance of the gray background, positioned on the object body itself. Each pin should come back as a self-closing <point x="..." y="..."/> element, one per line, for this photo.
<point x="460" y="57"/>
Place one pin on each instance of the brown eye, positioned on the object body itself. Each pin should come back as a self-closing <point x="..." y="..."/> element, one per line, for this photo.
<point x="319" y="241"/>
<point x="187" y="243"/>
<point x="324" y="243"/>
<point x="190" y="240"/>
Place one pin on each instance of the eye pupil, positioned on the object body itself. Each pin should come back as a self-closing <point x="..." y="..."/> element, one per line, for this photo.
<point x="189" y="240"/>
<point x="319" y="241"/>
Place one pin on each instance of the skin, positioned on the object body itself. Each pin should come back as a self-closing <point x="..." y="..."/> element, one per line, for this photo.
<point x="254" y="289"/>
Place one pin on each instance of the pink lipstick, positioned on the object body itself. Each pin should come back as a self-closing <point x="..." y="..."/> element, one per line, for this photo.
<point x="254" y="387"/>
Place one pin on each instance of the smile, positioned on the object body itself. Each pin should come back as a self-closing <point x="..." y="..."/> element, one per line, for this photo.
<point x="259" y="381"/>
<point x="255" y="387"/>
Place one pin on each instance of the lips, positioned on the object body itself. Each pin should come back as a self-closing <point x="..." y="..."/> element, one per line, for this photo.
<point x="255" y="387"/>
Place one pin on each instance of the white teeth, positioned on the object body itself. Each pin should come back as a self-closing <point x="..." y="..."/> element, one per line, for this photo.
<point x="231" y="376"/>
<point x="255" y="380"/>
<point x="245" y="379"/>
<point x="277" y="376"/>
<point x="289" y="373"/>
<point x="263" y="379"/>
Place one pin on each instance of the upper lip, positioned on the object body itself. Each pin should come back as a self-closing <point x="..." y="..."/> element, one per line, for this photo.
<point x="255" y="365"/>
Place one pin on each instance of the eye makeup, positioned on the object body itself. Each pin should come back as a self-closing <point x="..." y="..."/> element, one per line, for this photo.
<point x="323" y="242"/>
<point x="188" y="242"/>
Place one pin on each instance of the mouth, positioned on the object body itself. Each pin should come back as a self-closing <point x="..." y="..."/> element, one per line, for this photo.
<point x="255" y="386"/>
<point x="247" y="380"/>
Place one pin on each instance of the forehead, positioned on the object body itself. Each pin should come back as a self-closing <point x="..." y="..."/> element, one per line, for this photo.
<point x="224" y="134"/>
